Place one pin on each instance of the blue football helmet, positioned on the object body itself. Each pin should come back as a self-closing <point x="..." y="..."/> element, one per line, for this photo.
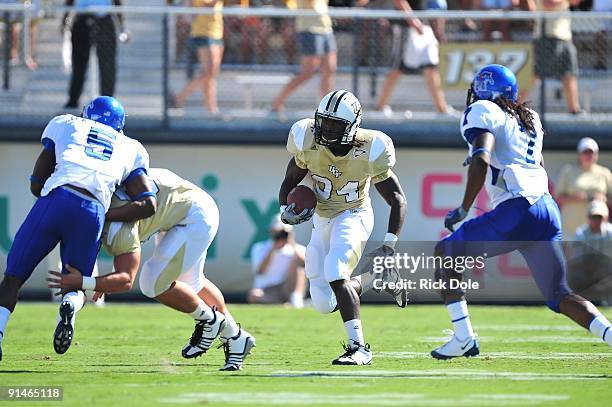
<point x="493" y="81"/>
<point x="107" y="110"/>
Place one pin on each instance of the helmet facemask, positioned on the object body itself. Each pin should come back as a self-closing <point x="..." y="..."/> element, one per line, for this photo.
<point x="330" y="130"/>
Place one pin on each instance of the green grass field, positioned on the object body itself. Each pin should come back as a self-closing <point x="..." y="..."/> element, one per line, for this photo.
<point x="130" y="355"/>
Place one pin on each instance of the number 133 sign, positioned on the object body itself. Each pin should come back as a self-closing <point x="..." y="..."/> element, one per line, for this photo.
<point x="459" y="62"/>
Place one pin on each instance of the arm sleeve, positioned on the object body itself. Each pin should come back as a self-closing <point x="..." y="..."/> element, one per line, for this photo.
<point x="140" y="165"/>
<point x="295" y="144"/>
<point x="51" y="133"/>
<point x="124" y="240"/>
<point x="483" y="116"/>
<point x="382" y="165"/>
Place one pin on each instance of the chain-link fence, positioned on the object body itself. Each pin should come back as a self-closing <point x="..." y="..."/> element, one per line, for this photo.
<point x="400" y="69"/>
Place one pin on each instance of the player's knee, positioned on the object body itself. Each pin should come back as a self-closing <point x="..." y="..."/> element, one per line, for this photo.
<point x="148" y="282"/>
<point x="323" y="298"/>
<point x="323" y="305"/>
<point x="440" y="248"/>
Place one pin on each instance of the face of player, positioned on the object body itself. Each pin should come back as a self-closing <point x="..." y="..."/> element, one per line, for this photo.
<point x="332" y="130"/>
<point x="587" y="158"/>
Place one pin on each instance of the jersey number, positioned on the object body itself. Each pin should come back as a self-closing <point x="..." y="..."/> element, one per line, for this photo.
<point x="99" y="144"/>
<point x="530" y="144"/>
<point x="323" y="187"/>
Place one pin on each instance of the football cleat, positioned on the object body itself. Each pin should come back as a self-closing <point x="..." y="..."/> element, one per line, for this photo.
<point x="236" y="350"/>
<point x="456" y="348"/>
<point x="355" y="354"/>
<point x="62" y="338"/>
<point x="204" y="334"/>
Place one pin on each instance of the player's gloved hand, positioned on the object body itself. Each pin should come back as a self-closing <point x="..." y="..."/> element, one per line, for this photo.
<point x="289" y="216"/>
<point x="386" y="250"/>
<point x="453" y="217"/>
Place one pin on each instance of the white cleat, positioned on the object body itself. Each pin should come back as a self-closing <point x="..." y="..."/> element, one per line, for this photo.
<point x="237" y="349"/>
<point x="456" y="348"/>
<point x="354" y="354"/>
<point x="204" y="335"/>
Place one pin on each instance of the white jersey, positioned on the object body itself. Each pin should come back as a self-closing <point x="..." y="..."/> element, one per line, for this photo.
<point x="91" y="155"/>
<point x="516" y="159"/>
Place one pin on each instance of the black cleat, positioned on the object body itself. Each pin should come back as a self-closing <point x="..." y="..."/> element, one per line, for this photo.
<point x="204" y="334"/>
<point x="62" y="338"/>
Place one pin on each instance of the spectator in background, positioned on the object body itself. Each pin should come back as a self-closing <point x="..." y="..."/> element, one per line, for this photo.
<point x="181" y="33"/>
<point x="555" y="55"/>
<point x="503" y="26"/>
<point x="317" y="49"/>
<point x="256" y="31"/>
<point x="278" y="264"/>
<point x="581" y="183"/>
<point x="15" y="22"/>
<point x="97" y="30"/>
<point x="207" y="38"/>
<point x="415" y="48"/>
<point x="597" y="231"/>
<point x="601" y="39"/>
<point x="591" y="255"/>
<point x="439" y="24"/>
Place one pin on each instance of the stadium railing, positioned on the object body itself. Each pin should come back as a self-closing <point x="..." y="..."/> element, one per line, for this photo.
<point x="260" y="56"/>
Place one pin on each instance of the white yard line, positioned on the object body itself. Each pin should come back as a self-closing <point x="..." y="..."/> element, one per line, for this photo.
<point x="379" y="399"/>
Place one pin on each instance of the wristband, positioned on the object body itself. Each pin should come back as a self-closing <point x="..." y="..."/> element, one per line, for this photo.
<point x="144" y="195"/>
<point x="89" y="283"/>
<point x="390" y="240"/>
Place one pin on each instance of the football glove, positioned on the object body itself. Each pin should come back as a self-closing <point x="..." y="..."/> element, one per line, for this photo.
<point x="453" y="217"/>
<point x="289" y="216"/>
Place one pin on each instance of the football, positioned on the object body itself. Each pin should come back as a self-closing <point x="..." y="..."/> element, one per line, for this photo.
<point x="303" y="198"/>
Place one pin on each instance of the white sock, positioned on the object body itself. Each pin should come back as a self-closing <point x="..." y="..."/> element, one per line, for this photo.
<point x="202" y="312"/>
<point x="354" y="331"/>
<point x="296" y="299"/>
<point x="461" y="320"/>
<point x="77" y="298"/>
<point x="4" y="317"/>
<point x="601" y="328"/>
<point x="231" y="328"/>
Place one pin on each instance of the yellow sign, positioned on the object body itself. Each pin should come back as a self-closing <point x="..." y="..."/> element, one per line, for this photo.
<point x="459" y="62"/>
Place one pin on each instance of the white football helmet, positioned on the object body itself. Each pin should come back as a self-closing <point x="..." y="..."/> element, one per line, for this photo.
<point x="337" y="118"/>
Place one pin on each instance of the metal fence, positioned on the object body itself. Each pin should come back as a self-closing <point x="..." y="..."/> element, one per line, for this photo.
<point x="261" y="56"/>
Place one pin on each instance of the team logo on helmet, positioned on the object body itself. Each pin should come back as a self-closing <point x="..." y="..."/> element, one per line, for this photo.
<point x="484" y="80"/>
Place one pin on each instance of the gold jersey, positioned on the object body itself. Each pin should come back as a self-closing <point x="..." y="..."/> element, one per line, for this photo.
<point x="174" y="199"/>
<point x="342" y="183"/>
<point x="210" y="26"/>
<point x="321" y="24"/>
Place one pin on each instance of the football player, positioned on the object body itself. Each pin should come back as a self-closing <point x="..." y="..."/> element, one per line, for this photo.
<point x="185" y="225"/>
<point x="343" y="160"/>
<point x="505" y="138"/>
<point x="82" y="161"/>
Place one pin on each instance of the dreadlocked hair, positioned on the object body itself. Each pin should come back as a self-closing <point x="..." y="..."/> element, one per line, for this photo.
<point x="520" y="111"/>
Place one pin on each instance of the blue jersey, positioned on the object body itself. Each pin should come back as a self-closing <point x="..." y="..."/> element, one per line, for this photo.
<point x="516" y="159"/>
<point x="92" y="156"/>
